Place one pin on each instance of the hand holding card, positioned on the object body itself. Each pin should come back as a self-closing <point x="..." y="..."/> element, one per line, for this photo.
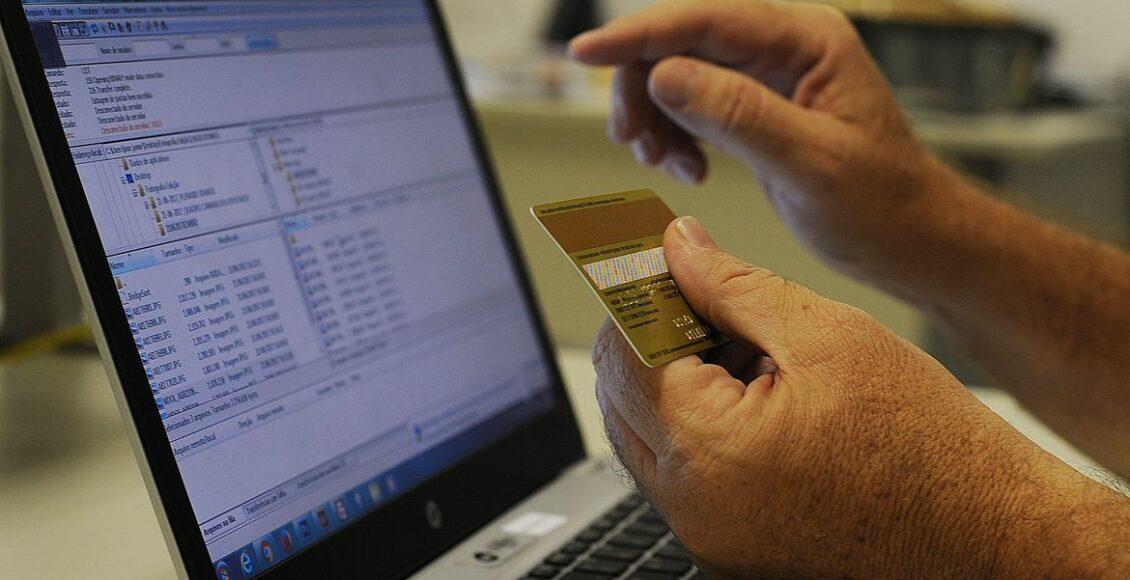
<point x="616" y="243"/>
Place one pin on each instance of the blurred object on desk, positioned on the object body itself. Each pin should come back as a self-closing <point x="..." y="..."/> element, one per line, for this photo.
<point x="926" y="11"/>
<point x="1092" y="56"/>
<point x="570" y="18"/>
<point x="487" y="29"/>
<point x="1092" y="48"/>
<point x="46" y="410"/>
<point x="513" y="49"/>
<point x="51" y="406"/>
<point x="959" y="67"/>
<point x="942" y="54"/>
<point x="37" y="290"/>
<point x="556" y="75"/>
<point x="539" y="76"/>
<point x="69" y="482"/>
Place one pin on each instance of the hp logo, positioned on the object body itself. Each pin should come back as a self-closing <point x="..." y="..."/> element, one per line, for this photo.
<point x="433" y="514"/>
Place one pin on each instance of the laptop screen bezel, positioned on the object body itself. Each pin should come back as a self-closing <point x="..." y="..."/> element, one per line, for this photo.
<point x="396" y="539"/>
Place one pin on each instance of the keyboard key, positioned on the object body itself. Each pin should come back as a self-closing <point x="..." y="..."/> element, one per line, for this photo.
<point x="619" y="512"/>
<point x="606" y="567"/>
<point x="588" y="536"/>
<point x="618" y="554"/>
<point x="646" y="529"/>
<point x="544" y="571"/>
<point x="583" y="576"/>
<point x="632" y="541"/>
<point x="640" y="575"/>
<point x="596" y="530"/>
<point x="633" y="501"/>
<point x="652" y="516"/>
<point x="560" y="559"/>
<point x="575" y="548"/>
<point x="670" y="552"/>
<point x="673" y="567"/>
<point x="604" y="524"/>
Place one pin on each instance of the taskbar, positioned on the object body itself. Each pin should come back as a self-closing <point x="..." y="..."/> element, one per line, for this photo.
<point x="308" y="528"/>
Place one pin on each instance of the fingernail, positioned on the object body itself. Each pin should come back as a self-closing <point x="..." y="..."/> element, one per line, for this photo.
<point x="580" y="39"/>
<point x="644" y="148"/>
<point x="670" y="82"/>
<point x="766" y="366"/>
<point x="686" y="171"/>
<point x="617" y="126"/>
<point x="693" y="232"/>
<point x="638" y="152"/>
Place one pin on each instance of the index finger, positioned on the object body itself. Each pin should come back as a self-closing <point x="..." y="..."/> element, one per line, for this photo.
<point x="728" y="33"/>
<point x="656" y="402"/>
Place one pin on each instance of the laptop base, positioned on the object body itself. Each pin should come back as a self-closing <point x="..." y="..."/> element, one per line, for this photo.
<point x="587" y="525"/>
<point x="521" y="538"/>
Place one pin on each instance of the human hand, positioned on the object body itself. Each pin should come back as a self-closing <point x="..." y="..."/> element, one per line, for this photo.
<point x="853" y="454"/>
<point x="790" y="90"/>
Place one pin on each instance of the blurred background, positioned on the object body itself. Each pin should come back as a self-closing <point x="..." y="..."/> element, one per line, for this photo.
<point x="1032" y="96"/>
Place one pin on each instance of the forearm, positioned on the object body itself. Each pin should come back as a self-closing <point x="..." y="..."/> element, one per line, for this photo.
<point x="1007" y="509"/>
<point x="992" y="504"/>
<point x="1045" y="310"/>
<point x="1062" y="525"/>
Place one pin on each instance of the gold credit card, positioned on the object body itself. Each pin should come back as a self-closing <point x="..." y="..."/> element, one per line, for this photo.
<point x="616" y="243"/>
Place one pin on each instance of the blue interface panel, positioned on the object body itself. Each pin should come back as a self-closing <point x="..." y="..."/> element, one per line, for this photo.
<point x="305" y="248"/>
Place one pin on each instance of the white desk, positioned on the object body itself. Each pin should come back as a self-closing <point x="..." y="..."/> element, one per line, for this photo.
<point x="86" y="514"/>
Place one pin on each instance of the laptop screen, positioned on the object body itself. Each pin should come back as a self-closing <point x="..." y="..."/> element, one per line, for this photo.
<point x="306" y="249"/>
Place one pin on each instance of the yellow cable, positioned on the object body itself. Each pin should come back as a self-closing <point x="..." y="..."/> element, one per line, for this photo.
<point x="45" y="343"/>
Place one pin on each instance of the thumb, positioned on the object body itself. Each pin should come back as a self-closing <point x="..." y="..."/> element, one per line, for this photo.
<point x="730" y="109"/>
<point x="750" y="305"/>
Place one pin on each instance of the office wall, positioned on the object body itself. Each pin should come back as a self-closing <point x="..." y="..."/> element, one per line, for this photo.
<point x="493" y="29"/>
<point x="476" y="26"/>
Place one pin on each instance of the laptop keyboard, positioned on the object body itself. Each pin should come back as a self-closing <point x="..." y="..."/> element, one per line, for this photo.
<point x="631" y="541"/>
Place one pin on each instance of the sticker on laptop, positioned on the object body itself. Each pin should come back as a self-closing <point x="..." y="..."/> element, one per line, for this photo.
<point x="535" y="524"/>
<point x="517" y="534"/>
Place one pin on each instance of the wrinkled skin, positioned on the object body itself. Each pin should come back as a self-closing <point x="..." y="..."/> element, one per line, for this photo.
<point x="818" y="443"/>
<point x="852" y="454"/>
<point x="790" y="90"/>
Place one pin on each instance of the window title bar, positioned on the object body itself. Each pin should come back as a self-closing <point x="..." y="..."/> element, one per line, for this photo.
<point x="83" y="10"/>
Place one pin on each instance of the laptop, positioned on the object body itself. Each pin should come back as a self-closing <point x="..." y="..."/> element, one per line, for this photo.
<point x="286" y="229"/>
